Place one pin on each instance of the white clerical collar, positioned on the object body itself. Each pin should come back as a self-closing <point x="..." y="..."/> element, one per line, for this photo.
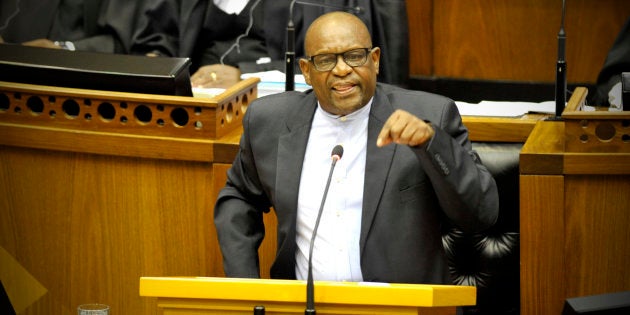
<point x="359" y="114"/>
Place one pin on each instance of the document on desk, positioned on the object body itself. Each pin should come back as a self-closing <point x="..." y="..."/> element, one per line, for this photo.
<point x="272" y="82"/>
<point x="505" y="108"/>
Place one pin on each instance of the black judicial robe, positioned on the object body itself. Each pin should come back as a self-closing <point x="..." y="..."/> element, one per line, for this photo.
<point x="201" y="31"/>
<point x="617" y="61"/>
<point x="92" y="25"/>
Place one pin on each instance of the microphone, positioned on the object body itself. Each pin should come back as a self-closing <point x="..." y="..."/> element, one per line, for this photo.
<point x="289" y="56"/>
<point x="561" y="70"/>
<point x="336" y="154"/>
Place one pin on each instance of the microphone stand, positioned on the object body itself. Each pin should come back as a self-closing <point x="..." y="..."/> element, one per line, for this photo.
<point x="289" y="55"/>
<point x="289" y="66"/>
<point x="310" y="295"/>
<point x="561" y="71"/>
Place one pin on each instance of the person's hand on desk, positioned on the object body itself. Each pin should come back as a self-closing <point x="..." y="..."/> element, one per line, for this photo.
<point x="42" y="42"/>
<point x="215" y="76"/>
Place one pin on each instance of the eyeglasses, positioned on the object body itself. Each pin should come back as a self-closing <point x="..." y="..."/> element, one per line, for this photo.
<point x="353" y="58"/>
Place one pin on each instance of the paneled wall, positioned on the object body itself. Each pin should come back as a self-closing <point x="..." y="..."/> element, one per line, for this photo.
<point x="513" y="40"/>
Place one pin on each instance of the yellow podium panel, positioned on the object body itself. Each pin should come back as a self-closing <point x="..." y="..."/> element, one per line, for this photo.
<point x="210" y="295"/>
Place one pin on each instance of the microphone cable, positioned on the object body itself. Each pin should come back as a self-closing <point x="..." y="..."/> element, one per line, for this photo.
<point x="236" y="44"/>
<point x="14" y="14"/>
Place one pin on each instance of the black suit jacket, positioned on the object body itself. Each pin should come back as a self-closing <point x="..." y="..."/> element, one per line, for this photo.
<point x="408" y="191"/>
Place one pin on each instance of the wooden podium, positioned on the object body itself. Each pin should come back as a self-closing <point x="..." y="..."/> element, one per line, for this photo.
<point x="575" y="207"/>
<point x="98" y="188"/>
<point x="239" y="296"/>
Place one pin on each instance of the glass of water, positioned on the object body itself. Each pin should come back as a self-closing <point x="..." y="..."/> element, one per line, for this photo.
<point x="93" y="309"/>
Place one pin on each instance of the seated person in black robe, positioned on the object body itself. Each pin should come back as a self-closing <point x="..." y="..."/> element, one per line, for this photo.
<point x="95" y="25"/>
<point x="221" y="44"/>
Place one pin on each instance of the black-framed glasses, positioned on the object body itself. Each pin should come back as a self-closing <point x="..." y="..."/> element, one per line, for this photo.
<point x="353" y="58"/>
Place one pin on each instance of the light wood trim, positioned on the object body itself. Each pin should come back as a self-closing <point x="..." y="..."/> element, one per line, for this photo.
<point x="599" y="130"/>
<point x="238" y="88"/>
<point x="129" y="113"/>
<point x="597" y="163"/>
<point x="542" y="153"/>
<point x="494" y="129"/>
<point x="576" y="102"/>
<point x="119" y="144"/>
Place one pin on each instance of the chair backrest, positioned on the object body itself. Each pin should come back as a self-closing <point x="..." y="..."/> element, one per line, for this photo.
<point x="489" y="260"/>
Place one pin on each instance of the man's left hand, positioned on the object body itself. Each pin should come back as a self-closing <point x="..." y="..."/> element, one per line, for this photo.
<point x="404" y="128"/>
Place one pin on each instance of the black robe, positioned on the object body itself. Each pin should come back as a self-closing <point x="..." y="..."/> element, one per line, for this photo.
<point x="617" y="61"/>
<point x="92" y="25"/>
<point x="199" y="30"/>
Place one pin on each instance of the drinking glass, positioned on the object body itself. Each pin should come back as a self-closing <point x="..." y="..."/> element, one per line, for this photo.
<point x="93" y="309"/>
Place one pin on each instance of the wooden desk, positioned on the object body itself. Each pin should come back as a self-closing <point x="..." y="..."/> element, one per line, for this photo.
<point x="574" y="211"/>
<point x="98" y="189"/>
<point x="498" y="129"/>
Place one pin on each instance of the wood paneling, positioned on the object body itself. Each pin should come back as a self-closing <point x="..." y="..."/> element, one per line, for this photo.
<point x="86" y="209"/>
<point x="88" y="226"/>
<point x="542" y="239"/>
<point x="420" y="19"/>
<point x="573" y="220"/>
<point x="511" y="40"/>
<point x="597" y="234"/>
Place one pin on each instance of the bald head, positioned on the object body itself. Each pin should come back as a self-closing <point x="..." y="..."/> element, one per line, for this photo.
<point x="341" y="43"/>
<point x="333" y="24"/>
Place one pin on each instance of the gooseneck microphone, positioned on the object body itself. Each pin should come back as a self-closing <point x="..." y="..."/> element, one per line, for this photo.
<point x="561" y="70"/>
<point x="289" y="55"/>
<point x="336" y="154"/>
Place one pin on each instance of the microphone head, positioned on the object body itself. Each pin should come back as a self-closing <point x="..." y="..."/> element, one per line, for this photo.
<point x="337" y="152"/>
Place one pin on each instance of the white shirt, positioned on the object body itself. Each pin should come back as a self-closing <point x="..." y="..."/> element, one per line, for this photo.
<point x="336" y="255"/>
<point x="231" y="6"/>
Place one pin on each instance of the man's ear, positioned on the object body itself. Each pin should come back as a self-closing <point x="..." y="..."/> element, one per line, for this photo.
<point x="304" y="66"/>
<point x="376" y="57"/>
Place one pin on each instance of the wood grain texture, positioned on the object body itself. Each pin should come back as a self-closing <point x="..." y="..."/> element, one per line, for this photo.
<point x="88" y="226"/>
<point x="511" y="40"/>
<point x="574" y="218"/>
<point x="542" y="244"/>
<point x="88" y="207"/>
<point x="597" y="234"/>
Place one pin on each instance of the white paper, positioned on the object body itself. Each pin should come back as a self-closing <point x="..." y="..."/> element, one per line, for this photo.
<point x="505" y="108"/>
